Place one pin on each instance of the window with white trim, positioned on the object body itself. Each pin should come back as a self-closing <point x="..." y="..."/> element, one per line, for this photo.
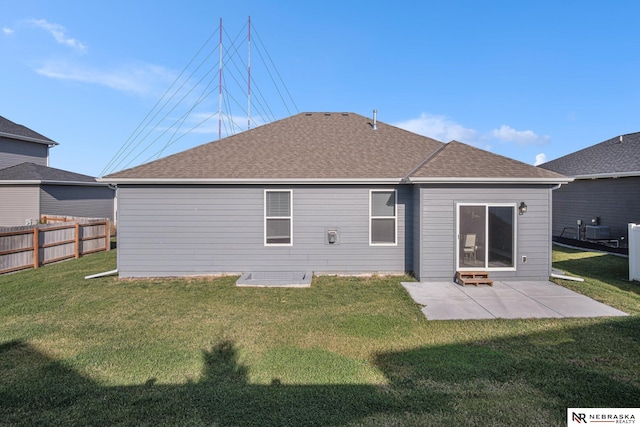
<point x="278" y="222"/>
<point x="383" y="221"/>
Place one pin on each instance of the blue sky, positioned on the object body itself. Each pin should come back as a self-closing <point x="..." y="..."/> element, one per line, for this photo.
<point x="524" y="79"/>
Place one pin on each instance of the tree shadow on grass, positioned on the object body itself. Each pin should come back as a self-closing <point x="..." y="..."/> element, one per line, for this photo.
<point x="520" y="379"/>
<point x="39" y="390"/>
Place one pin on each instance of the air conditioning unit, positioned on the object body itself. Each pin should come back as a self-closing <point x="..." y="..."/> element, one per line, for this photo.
<point x="598" y="232"/>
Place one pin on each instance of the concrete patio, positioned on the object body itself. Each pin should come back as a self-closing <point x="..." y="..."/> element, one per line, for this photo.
<point x="504" y="300"/>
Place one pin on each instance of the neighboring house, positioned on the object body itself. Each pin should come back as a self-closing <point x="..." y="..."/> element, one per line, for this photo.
<point x="603" y="196"/>
<point x="19" y="144"/>
<point x="334" y="193"/>
<point x="30" y="188"/>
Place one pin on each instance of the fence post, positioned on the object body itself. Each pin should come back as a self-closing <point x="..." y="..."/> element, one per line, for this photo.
<point x="107" y="238"/>
<point x="36" y="247"/>
<point x="77" y="240"/>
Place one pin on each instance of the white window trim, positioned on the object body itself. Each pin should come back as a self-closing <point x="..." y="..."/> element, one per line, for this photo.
<point x="486" y="231"/>
<point x="395" y="217"/>
<point x="290" y="217"/>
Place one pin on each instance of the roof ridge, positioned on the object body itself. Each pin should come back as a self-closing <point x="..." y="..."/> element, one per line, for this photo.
<point x="625" y="134"/>
<point x="613" y="155"/>
<point x="327" y="148"/>
<point x="425" y="161"/>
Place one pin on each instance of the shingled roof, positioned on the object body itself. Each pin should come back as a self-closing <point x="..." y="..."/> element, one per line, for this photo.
<point x="31" y="172"/>
<point x="13" y="130"/>
<point x="615" y="157"/>
<point x="461" y="162"/>
<point x="334" y="147"/>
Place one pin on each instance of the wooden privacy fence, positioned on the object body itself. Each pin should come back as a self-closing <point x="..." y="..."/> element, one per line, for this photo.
<point x="34" y="246"/>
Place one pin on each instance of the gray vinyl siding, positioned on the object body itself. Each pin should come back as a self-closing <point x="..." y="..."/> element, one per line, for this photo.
<point x="197" y="230"/>
<point x="18" y="204"/>
<point x="77" y="200"/>
<point x="438" y="229"/>
<point x="615" y="201"/>
<point x="13" y="152"/>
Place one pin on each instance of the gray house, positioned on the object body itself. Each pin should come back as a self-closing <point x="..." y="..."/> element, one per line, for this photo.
<point x="19" y="144"/>
<point x="28" y="191"/>
<point x="334" y="193"/>
<point x="30" y="188"/>
<point x="603" y="197"/>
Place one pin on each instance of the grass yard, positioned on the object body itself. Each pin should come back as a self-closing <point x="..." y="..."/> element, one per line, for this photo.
<point x="347" y="351"/>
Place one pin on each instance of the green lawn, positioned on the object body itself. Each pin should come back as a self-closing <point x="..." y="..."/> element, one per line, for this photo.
<point x="347" y="351"/>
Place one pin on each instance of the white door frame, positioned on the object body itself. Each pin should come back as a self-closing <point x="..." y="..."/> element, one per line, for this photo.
<point x="486" y="231"/>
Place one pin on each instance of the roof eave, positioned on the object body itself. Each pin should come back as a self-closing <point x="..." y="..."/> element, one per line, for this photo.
<point x="342" y="181"/>
<point x="249" y="181"/>
<point x="28" y="139"/>
<point x="485" y="180"/>
<point x="608" y="175"/>
<point x="52" y="182"/>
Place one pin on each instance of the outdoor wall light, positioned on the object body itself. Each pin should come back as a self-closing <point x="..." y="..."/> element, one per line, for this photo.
<point x="522" y="209"/>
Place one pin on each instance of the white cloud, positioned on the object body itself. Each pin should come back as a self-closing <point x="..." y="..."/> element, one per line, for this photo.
<point x="540" y="159"/>
<point x="59" y="34"/>
<point x="520" y="137"/>
<point x="139" y="78"/>
<point x="438" y="127"/>
<point x="7" y="31"/>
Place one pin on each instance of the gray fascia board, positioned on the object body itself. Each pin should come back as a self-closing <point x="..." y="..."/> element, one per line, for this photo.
<point x="608" y="175"/>
<point x="458" y="180"/>
<point x="343" y="181"/>
<point x="40" y="182"/>
<point x="253" y="181"/>
<point x="28" y="139"/>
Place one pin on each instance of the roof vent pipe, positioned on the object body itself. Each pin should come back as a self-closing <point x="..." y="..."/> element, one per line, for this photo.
<point x="375" y="119"/>
<point x="621" y="139"/>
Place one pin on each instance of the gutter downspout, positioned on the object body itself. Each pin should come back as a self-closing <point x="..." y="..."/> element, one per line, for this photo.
<point x="552" y="274"/>
<point x="565" y="277"/>
<point x="106" y="273"/>
<point x="115" y="203"/>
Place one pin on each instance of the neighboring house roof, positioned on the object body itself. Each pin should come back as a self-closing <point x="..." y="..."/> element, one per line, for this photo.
<point x="330" y="147"/>
<point x="615" y="157"/>
<point x="31" y="173"/>
<point x="13" y="130"/>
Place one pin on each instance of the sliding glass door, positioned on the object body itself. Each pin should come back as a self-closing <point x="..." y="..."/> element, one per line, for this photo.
<point x="486" y="236"/>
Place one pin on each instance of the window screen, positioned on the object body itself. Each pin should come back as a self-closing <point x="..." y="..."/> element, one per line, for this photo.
<point x="383" y="218"/>
<point x="277" y="217"/>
